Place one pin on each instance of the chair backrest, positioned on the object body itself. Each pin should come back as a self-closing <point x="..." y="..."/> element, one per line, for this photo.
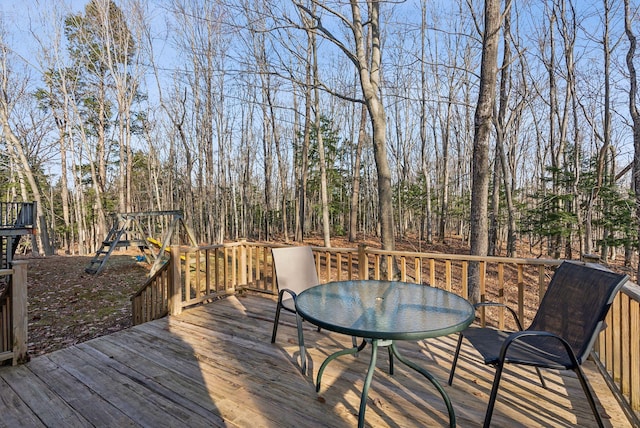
<point x="576" y="303"/>
<point x="295" y="268"/>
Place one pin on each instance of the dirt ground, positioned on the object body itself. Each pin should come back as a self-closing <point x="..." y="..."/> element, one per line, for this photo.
<point x="68" y="305"/>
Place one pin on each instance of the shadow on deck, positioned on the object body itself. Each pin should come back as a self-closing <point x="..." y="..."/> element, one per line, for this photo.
<point x="214" y="365"/>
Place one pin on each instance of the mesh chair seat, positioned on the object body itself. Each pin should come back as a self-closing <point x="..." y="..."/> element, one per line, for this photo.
<point x="531" y="350"/>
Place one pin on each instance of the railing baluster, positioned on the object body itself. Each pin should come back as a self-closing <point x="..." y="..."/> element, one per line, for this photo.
<point x="616" y="346"/>
<point x="432" y="272"/>
<point x="465" y="279"/>
<point x="634" y="354"/>
<point x="501" y="296"/>
<point x="608" y="344"/>
<point x="207" y="271"/>
<point x="542" y="283"/>
<point x="187" y="277"/>
<point x="625" y="342"/>
<point x="521" y="292"/>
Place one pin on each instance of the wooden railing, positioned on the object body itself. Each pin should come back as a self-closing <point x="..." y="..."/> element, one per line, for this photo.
<point x="618" y="350"/>
<point x="200" y="274"/>
<point x="13" y="313"/>
<point x="150" y="302"/>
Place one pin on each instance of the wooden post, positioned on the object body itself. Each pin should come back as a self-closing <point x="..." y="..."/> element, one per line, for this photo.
<point x="175" y="284"/>
<point x="242" y="281"/>
<point x="363" y="265"/>
<point x="19" y="311"/>
<point x="591" y="258"/>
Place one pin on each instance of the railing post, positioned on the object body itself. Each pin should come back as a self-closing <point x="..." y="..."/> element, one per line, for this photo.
<point x="19" y="311"/>
<point x="175" y="283"/>
<point x="363" y="265"/>
<point x="591" y="258"/>
<point x="243" y="263"/>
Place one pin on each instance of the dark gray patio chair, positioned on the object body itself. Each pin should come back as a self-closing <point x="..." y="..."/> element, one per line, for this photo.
<point x="295" y="272"/>
<point x="563" y="331"/>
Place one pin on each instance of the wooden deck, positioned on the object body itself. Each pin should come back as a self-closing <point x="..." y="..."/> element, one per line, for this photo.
<point x="214" y="365"/>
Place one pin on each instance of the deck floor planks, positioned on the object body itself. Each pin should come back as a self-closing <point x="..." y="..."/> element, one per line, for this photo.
<point x="184" y="373"/>
<point x="266" y="376"/>
<point x="123" y="392"/>
<point x="214" y="365"/>
<point x="79" y="396"/>
<point x="15" y="412"/>
<point x="51" y="409"/>
<point x="234" y="369"/>
<point x="178" y="390"/>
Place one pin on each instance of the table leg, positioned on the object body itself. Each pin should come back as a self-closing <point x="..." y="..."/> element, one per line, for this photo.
<point x="303" y="351"/>
<point x="367" y="382"/>
<point x="433" y="380"/>
<point x="335" y="355"/>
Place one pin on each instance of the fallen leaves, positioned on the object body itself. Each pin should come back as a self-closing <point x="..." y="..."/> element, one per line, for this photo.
<point x="68" y="306"/>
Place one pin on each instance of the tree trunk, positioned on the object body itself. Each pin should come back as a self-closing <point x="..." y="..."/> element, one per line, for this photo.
<point x="635" y="115"/>
<point x="500" y="138"/>
<point x="324" y="198"/>
<point x="306" y="142"/>
<point x="370" y="81"/>
<point x="427" y="228"/>
<point x="483" y="116"/>
<point x="355" y="195"/>
<point x="369" y="73"/>
<point x="495" y="207"/>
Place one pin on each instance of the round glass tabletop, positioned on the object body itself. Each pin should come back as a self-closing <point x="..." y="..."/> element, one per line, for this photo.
<point x="388" y="310"/>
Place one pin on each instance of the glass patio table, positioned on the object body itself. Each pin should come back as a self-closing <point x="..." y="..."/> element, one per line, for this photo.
<point x="382" y="312"/>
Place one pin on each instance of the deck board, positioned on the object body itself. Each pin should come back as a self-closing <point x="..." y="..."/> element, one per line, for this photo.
<point x="214" y="366"/>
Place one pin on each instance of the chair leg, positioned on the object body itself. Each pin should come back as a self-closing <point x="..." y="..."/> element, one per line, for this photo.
<point x="276" y="320"/>
<point x="455" y="359"/>
<point x="303" y="353"/>
<point x="390" y="360"/>
<point x="493" y="395"/>
<point x="587" y="392"/>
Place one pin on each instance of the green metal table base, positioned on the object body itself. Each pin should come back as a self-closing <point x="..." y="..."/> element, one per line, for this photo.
<point x="375" y="343"/>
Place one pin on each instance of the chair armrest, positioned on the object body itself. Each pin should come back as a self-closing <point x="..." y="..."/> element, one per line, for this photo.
<point x="501" y="305"/>
<point x="516" y="336"/>
<point x="290" y="292"/>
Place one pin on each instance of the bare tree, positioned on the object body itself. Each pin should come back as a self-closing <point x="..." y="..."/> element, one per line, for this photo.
<point x="10" y="92"/>
<point x="369" y="71"/>
<point x="427" y="229"/>
<point x="326" y="228"/>
<point x="55" y="97"/>
<point x="483" y="119"/>
<point x="633" y="110"/>
<point x="502" y="123"/>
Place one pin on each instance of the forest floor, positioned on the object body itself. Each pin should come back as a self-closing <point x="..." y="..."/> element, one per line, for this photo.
<point x="69" y="306"/>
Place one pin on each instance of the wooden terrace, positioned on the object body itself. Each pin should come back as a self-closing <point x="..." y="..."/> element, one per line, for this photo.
<point x="214" y="365"/>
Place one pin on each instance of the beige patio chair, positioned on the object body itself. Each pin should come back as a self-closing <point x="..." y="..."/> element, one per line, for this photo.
<point x="563" y="331"/>
<point x="295" y="272"/>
